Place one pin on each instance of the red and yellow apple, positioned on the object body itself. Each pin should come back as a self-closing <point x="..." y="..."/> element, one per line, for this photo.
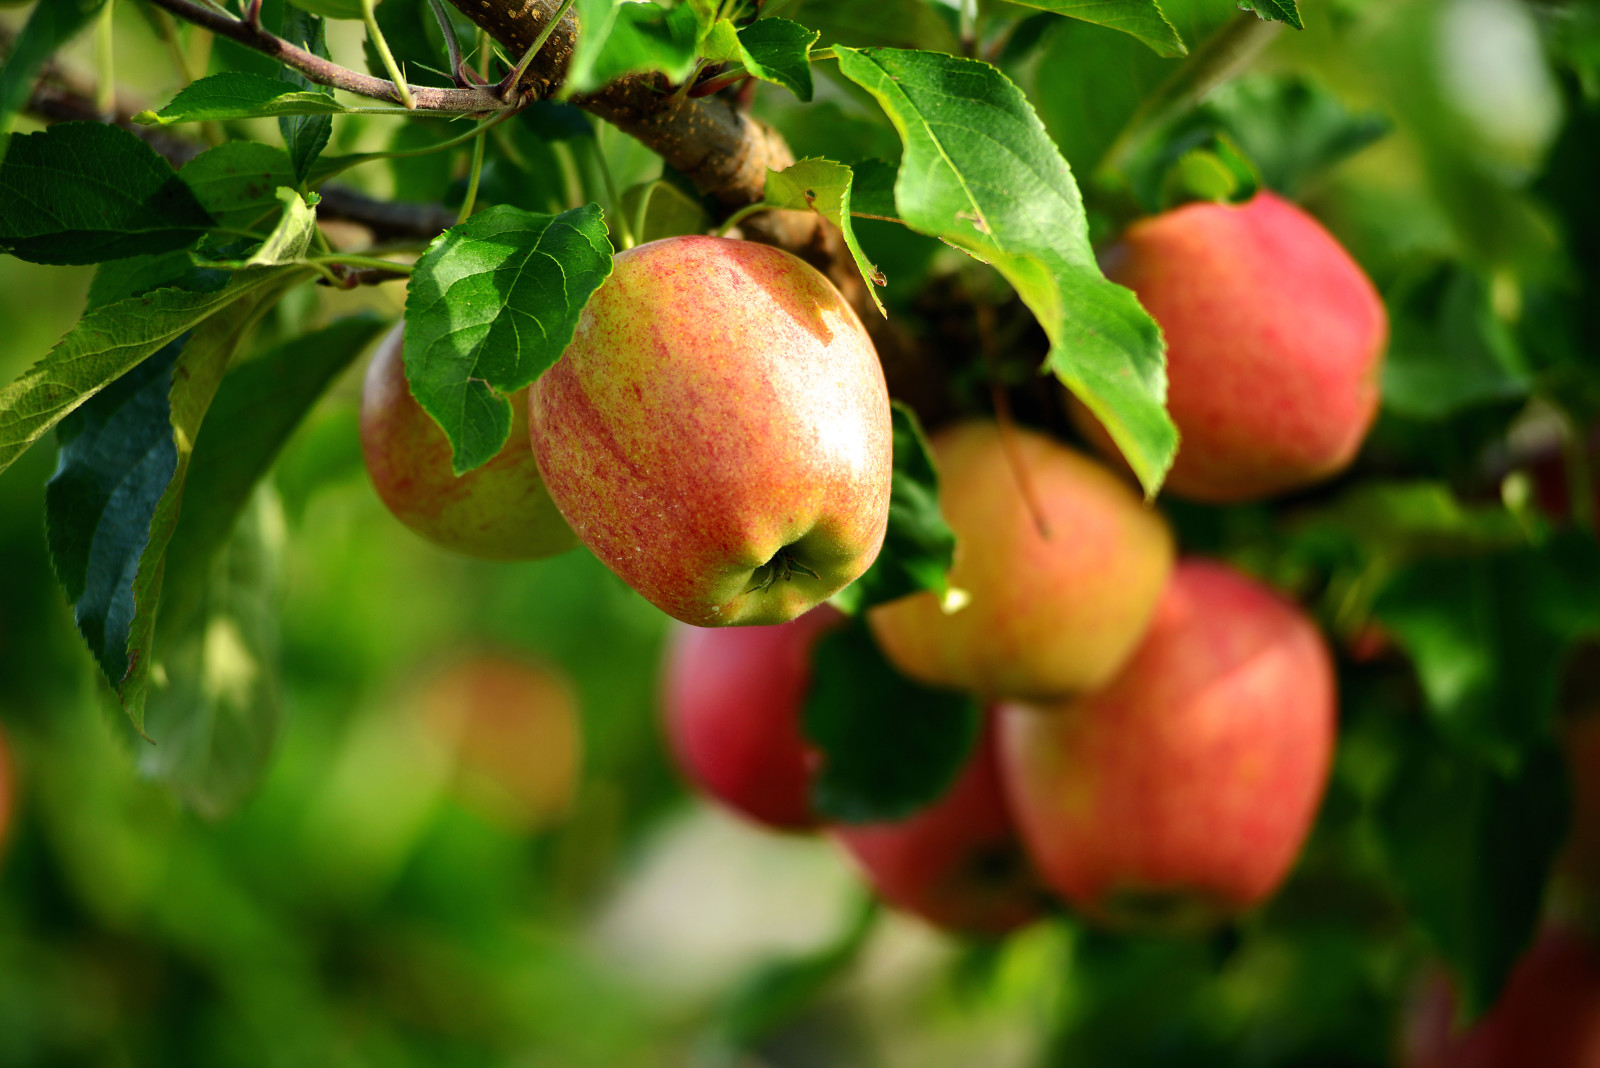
<point x="512" y="728"/>
<point x="1052" y="611"/>
<point x="732" y="703"/>
<point x="1275" y="343"/>
<point x="718" y="432"/>
<point x="1547" y="1016"/>
<point x="499" y="511"/>
<point x="958" y="863"/>
<point x="1184" y="790"/>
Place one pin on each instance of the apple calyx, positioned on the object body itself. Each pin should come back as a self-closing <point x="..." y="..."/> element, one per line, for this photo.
<point x="783" y="566"/>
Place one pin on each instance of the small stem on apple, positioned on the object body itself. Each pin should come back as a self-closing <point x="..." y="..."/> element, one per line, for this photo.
<point x="740" y="216"/>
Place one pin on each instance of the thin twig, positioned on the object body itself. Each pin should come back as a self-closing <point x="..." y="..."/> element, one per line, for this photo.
<point x="326" y="72"/>
<point x="452" y="43"/>
<point x="369" y="15"/>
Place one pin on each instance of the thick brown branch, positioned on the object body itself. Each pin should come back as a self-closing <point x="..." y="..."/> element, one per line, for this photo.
<point x="324" y="72"/>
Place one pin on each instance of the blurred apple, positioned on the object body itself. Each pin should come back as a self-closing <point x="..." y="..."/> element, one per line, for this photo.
<point x="718" y="432"/>
<point x="1548" y="1015"/>
<point x="732" y="701"/>
<point x="1275" y="342"/>
<point x="499" y="511"/>
<point x="958" y="863"/>
<point x="1052" y="611"/>
<point x="1183" y="791"/>
<point x="513" y="729"/>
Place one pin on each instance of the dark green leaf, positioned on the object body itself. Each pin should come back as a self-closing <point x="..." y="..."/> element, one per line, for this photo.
<point x="305" y="136"/>
<point x="1450" y="351"/>
<point x="104" y="345"/>
<point x="1489" y="636"/>
<point x="237" y="182"/>
<point x="1275" y="11"/>
<point x="237" y="95"/>
<point x="138" y="275"/>
<point x="117" y="457"/>
<point x="980" y="172"/>
<point x="1471" y="850"/>
<point x="872" y="192"/>
<point x="889" y="745"/>
<point x="920" y="546"/>
<point x="491" y="305"/>
<point x="83" y="192"/>
<point x="1142" y="19"/>
<point x="779" y="51"/>
<point x="824" y="187"/>
<point x="51" y="24"/>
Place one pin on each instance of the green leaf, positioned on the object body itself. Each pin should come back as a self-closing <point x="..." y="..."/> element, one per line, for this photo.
<point x="895" y="23"/>
<point x="824" y="187"/>
<point x="134" y="277"/>
<point x="1471" y="850"/>
<point x="491" y="305"/>
<point x="114" y="502"/>
<point x="237" y="182"/>
<point x="872" y="191"/>
<point x="1489" y="636"/>
<point x="618" y="39"/>
<point x="236" y="95"/>
<point x="980" y="172"/>
<point x="664" y="210"/>
<point x="1191" y="161"/>
<point x="889" y="746"/>
<point x="215" y="716"/>
<point x="117" y="458"/>
<point x="920" y="546"/>
<point x="1450" y="350"/>
<point x="292" y="236"/>
<point x="104" y="345"/>
<point x="1275" y="11"/>
<point x="257" y="407"/>
<point x="779" y="51"/>
<point x="83" y="192"/>
<point x="1292" y="129"/>
<point x="305" y="136"/>
<point x="1142" y="19"/>
<point x="331" y="9"/>
<point x="50" y="25"/>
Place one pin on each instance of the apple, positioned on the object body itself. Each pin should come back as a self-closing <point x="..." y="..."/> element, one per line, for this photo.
<point x="1052" y="611"/>
<point x="958" y="863"/>
<point x="732" y="702"/>
<point x="1275" y="343"/>
<point x="718" y="432"/>
<point x="512" y="728"/>
<point x="1183" y="791"/>
<point x="1547" y="1016"/>
<point x="499" y="511"/>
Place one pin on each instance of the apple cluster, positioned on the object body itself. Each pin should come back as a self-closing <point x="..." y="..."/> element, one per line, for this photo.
<point x="1157" y="733"/>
